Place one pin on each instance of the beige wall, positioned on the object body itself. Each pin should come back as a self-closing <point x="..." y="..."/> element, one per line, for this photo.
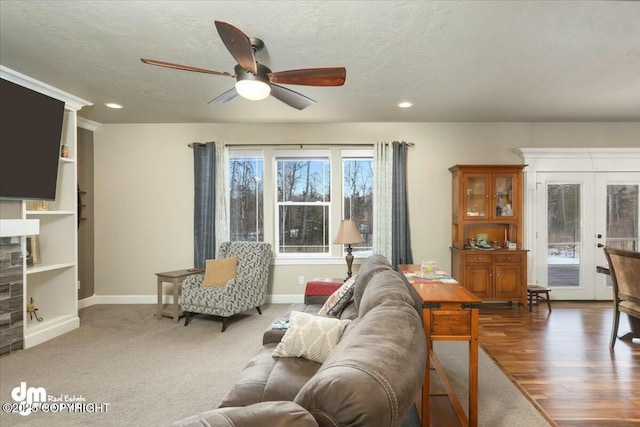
<point x="86" y="243"/>
<point x="144" y="185"/>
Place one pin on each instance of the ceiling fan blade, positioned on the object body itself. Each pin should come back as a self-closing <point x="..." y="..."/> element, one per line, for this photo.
<point x="184" y="67"/>
<point x="238" y="44"/>
<point x="224" y="97"/>
<point x="324" y="76"/>
<point x="290" y="97"/>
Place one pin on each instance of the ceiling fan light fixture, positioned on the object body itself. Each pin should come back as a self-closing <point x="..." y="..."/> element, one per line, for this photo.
<point x="254" y="90"/>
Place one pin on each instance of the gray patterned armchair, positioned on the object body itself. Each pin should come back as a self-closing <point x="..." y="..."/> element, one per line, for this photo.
<point x="246" y="291"/>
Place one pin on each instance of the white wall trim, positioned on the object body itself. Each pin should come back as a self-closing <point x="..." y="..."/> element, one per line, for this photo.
<point x="285" y="299"/>
<point x="581" y="159"/>
<point x="72" y="102"/>
<point x="19" y="227"/>
<point x="88" y="124"/>
<point x="168" y="299"/>
<point x="285" y="260"/>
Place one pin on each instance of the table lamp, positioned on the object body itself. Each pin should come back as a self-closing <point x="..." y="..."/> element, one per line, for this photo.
<point x="348" y="234"/>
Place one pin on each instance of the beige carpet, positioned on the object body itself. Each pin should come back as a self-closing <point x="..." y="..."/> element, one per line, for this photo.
<point x="500" y="403"/>
<point x="154" y="372"/>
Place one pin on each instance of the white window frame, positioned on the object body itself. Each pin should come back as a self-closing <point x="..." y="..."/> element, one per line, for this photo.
<point x="292" y="155"/>
<point x="246" y="153"/>
<point x="269" y="154"/>
<point x="351" y="154"/>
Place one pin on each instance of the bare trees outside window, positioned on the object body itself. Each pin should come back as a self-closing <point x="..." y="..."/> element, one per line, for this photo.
<point x="357" y="192"/>
<point x="564" y="240"/>
<point x="301" y="219"/>
<point x="303" y="203"/>
<point x="622" y="217"/>
<point x="246" y="180"/>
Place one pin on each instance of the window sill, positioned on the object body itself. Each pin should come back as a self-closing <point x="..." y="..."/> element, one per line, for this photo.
<point x="307" y="260"/>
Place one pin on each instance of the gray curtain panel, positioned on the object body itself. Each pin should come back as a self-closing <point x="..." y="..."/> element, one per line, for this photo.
<point x="401" y="235"/>
<point x="204" y="220"/>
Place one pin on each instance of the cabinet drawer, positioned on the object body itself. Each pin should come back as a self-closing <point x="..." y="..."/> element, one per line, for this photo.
<point x="508" y="258"/>
<point x="479" y="258"/>
<point x="448" y="323"/>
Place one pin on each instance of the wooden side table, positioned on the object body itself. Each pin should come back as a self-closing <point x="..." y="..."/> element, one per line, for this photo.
<point x="175" y="278"/>
<point x="450" y="313"/>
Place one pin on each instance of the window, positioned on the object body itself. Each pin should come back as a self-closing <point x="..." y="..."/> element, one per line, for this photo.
<point x="303" y="204"/>
<point x="295" y="199"/>
<point x="246" y="176"/>
<point x="357" y="193"/>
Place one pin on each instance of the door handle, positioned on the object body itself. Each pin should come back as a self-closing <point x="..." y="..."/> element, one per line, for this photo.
<point x="600" y="245"/>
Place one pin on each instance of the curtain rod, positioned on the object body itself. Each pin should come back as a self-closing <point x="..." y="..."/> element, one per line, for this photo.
<point x="410" y="144"/>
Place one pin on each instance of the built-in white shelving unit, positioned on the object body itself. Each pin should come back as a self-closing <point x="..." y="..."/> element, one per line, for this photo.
<point x="52" y="282"/>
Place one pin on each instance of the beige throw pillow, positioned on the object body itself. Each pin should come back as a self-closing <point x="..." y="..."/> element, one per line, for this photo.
<point x="310" y="337"/>
<point x="218" y="272"/>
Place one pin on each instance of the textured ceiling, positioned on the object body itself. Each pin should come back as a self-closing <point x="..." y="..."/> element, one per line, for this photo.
<point x="456" y="61"/>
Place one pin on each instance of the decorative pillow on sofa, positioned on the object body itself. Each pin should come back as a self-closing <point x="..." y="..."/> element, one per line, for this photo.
<point x="218" y="272"/>
<point x="310" y="337"/>
<point x="339" y="299"/>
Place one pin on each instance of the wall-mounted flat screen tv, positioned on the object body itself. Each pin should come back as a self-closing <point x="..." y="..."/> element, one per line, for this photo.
<point x="30" y="133"/>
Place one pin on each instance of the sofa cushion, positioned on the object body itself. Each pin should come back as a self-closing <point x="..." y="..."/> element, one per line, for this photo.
<point x="350" y="311"/>
<point x="369" y="268"/>
<point x="311" y="337"/>
<point x="272" y="414"/>
<point x="268" y="378"/>
<point x="386" y="287"/>
<point x="382" y="352"/>
<point x="219" y="271"/>
<point x="339" y="299"/>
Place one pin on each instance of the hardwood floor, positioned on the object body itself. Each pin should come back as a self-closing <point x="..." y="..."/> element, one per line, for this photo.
<point x="563" y="363"/>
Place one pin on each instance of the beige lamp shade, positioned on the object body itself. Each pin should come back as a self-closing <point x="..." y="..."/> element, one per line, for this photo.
<point x="348" y="233"/>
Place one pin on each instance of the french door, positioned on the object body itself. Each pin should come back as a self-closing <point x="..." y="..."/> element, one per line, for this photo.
<point x="577" y="214"/>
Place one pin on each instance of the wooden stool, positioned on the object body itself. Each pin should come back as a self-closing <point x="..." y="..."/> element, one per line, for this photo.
<point x="535" y="291"/>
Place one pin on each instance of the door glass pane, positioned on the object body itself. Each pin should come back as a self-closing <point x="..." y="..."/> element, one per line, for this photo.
<point x="476" y="196"/>
<point x="564" y="240"/>
<point x="622" y="217"/>
<point x="504" y="196"/>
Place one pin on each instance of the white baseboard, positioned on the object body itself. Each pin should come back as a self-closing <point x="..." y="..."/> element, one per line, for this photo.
<point x="285" y="299"/>
<point x="168" y="299"/>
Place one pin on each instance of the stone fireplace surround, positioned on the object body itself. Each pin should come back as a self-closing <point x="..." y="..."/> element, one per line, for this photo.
<point x="12" y="282"/>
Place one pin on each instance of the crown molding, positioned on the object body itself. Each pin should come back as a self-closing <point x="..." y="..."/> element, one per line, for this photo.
<point x="72" y="102"/>
<point x="88" y="124"/>
<point x="581" y="159"/>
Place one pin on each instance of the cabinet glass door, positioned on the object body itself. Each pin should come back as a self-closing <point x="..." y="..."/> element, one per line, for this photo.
<point x="503" y="196"/>
<point x="477" y="196"/>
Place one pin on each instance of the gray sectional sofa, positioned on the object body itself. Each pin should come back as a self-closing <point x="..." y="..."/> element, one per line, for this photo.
<point x="371" y="378"/>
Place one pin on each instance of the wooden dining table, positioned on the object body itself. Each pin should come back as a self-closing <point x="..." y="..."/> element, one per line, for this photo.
<point x="449" y="312"/>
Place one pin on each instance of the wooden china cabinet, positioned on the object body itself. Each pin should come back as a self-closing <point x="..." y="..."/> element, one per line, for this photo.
<point x="487" y="256"/>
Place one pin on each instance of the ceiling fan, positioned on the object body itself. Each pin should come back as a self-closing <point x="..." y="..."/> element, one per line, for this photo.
<point x="256" y="81"/>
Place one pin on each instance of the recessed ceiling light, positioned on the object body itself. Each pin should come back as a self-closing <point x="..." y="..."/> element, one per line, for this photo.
<point x="405" y="104"/>
<point x="113" y="105"/>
